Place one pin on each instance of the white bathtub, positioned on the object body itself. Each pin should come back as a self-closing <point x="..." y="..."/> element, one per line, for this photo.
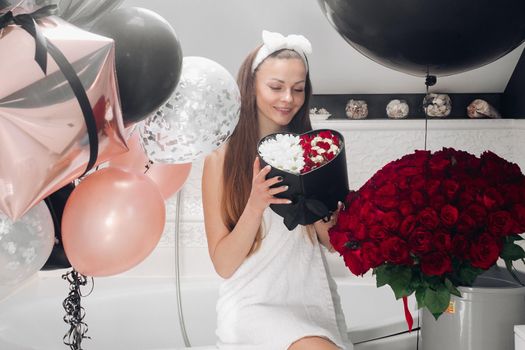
<point x="141" y="313"/>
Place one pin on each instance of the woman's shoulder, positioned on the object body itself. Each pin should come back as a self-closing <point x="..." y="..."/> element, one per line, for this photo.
<point x="215" y="160"/>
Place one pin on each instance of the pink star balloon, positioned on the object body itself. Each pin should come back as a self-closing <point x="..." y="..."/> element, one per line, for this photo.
<point x="44" y="143"/>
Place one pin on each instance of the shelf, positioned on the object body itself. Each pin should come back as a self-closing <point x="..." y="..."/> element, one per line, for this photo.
<point x="419" y="124"/>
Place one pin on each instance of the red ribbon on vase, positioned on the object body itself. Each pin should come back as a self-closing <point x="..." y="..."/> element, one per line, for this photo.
<point x="408" y="315"/>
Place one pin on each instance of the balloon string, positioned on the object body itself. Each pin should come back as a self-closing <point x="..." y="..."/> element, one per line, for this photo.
<point x="75" y="313"/>
<point x="429" y="81"/>
<point x="148" y="166"/>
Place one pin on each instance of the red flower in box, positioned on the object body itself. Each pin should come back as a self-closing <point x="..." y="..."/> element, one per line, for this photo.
<point x="430" y="222"/>
<point x="318" y="149"/>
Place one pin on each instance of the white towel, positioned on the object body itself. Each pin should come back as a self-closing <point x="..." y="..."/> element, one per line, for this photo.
<point x="280" y="294"/>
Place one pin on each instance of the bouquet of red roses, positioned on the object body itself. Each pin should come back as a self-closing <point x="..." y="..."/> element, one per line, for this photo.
<point x="429" y="222"/>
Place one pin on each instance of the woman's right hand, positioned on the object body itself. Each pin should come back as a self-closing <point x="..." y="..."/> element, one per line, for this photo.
<point x="261" y="195"/>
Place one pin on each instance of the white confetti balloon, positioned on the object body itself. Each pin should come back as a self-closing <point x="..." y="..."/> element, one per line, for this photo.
<point x="199" y="116"/>
<point x="25" y="244"/>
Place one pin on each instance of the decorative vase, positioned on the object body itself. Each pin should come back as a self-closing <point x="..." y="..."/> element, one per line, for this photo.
<point x="482" y="319"/>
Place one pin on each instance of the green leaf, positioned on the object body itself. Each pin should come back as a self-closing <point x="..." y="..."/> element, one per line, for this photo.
<point x="452" y="288"/>
<point x="513" y="238"/>
<point x="467" y="275"/>
<point x="437" y="301"/>
<point x="512" y="251"/>
<point x="420" y="297"/>
<point x="382" y="275"/>
<point x="400" y="277"/>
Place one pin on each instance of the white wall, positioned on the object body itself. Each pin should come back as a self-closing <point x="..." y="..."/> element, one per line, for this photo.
<point x="370" y="145"/>
<point x="226" y="30"/>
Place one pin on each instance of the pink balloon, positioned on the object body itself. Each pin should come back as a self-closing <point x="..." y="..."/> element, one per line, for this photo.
<point x="168" y="177"/>
<point x="112" y="221"/>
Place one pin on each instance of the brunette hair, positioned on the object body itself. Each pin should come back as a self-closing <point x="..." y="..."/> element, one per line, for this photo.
<point x="242" y="145"/>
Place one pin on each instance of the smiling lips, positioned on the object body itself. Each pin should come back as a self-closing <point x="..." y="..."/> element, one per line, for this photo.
<point x="283" y="110"/>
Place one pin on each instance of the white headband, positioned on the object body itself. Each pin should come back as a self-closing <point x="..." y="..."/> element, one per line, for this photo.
<point x="273" y="42"/>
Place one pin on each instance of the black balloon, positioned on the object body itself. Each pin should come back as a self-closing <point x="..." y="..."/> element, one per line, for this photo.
<point x="148" y="59"/>
<point x="445" y="37"/>
<point x="56" y="202"/>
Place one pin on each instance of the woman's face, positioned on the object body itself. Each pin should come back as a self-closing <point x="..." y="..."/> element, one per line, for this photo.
<point x="279" y="85"/>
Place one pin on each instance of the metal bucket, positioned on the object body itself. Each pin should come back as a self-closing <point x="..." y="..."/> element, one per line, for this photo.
<point x="483" y="319"/>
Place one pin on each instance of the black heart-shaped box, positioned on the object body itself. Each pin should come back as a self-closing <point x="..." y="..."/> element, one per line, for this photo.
<point x="314" y="194"/>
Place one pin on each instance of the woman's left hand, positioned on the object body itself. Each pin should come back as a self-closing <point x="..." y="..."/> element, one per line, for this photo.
<point x="322" y="226"/>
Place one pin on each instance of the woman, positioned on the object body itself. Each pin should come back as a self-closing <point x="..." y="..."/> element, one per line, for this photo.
<point x="277" y="293"/>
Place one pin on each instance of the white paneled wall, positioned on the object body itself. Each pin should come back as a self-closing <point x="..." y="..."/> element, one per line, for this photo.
<point x="370" y="144"/>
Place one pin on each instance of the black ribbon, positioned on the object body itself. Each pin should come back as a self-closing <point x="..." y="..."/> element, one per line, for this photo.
<point x="27" y="21"/>
<point x="42" y="47"/>
<point x="74" y="311"/>
<point x="304" y="211"/>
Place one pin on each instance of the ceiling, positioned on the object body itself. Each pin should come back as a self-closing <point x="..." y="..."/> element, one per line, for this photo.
<point x="226" y="30"/>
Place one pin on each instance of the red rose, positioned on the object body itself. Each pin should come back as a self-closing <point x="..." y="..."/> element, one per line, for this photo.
<point x="460" y="246"/>
<point x="519" y="213"/>
<point x="416" y="159"/>
<point x="350" y="197"/>
<point x="391" y="220"/>
<point x="500" y="223"/>
<point x="417" y="182"/>
<point x="497" y="168"/>
<point x="407" y="226"/>
<point x="406" y="208"/>
<point x="450" y="188"/>
<point x="437" y="202"/>
<point x="467" y="196"/>
<point x="378" y="233"/>
<point x="388" y="189"/>
<point x="484" y="252"/>
<point x="407" y="171"/>
<point x="357" y="233"/>
<point x="442" y="240"/>
<point x="347" y="220"/>
<point x="354" y="262"/>
<point x="417" y="198"/>
<point x="420" y="241"/>
<point x="338" y="240"/>
<point x="449" y="215"/>
<point x="438" y="163"/>
<point x="369" y="213"/>
<point x="432" y="186"/>
<point x="492" y="199"/>
<point x="323" y="144"/>
<point x="511" y="193"/>
<point x="436" y="264"/>
<point x="396" y="251"/>
<point x="478" y="213"/>
<point x="428" y="218"/>
<point x="386" y="203"/>
<point x="325" y="134"/>
<point x="371" y="255"/>
<point x="466" y="224"/>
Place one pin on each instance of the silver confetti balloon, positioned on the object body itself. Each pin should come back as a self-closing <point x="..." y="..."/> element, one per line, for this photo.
<point x="25" y="244"/>
<point x="199" y="116"/>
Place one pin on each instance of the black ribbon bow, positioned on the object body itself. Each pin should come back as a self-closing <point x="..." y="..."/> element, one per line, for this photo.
<point x="42" y="47"/>
<point x="304" y="211"/>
